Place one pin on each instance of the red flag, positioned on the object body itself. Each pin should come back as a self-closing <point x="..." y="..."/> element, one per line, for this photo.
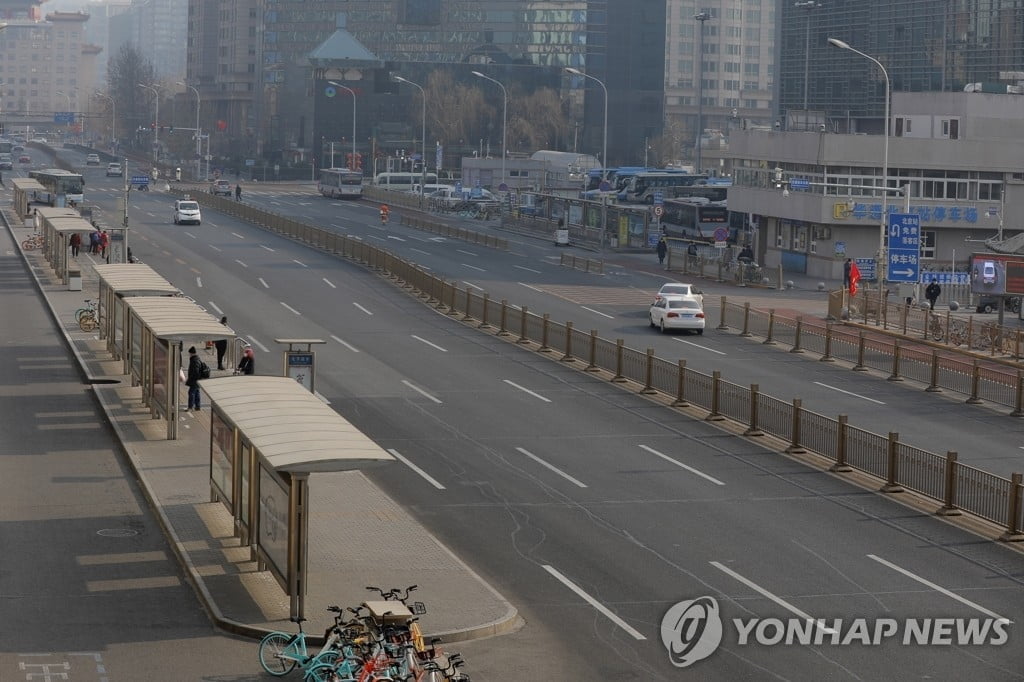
<point x="854" y="278"/>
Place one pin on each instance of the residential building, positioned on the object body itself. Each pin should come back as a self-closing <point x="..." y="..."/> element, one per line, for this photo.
<point x="159" y="29"/>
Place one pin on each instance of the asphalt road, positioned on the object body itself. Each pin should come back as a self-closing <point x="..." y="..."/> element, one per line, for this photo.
<point x="592" y="509"/>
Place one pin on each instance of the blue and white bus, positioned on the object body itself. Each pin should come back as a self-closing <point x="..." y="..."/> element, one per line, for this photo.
<point x="642" y="186"/>
<point x="403" y="181"/>
<point x="695" y="218"/>
<point x="62" y="188"/>
<point x="340" y="183"/>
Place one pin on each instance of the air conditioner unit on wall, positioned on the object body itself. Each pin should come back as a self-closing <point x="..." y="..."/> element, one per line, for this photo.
<point x="778" y="240"/>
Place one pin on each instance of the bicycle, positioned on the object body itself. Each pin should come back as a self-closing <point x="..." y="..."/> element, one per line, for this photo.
<point x="934" y="328"/>
<point x="281" y="652"/>
<point x="33" y="241"/>
<point x="87" y="316"/>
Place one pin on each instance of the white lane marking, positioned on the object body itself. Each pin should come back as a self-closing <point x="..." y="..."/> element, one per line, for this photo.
<point x="526" y="390"/>
<point x="391" y="236"/>
<point x="214" y="306"/>
<point x="680" y="464"/>
<point x="425" y="253"/>
<point x="601" y="608"/>
<point x="259" y="345"/>
<point x="855" y="395"/>
<point x="330" y="283"/>
<point x="470" y="284"/>
<point x="529" y="287"/>
<point x="237" y="235"/>
<point x="215" y="248"/>
<point x="290" y="308"/>
<point x="190" y="235"/>
<point x="527" y="269"/>
<point x="419" y="239"/>
<point x="264" y="246"/>
<point x="373" y="236"/>
<point x="300" y="263"/>
<point x="597" y="312"/>
<point x="938" y="588"/>
<point x="472" y="267"/>
<point x="421" y="391"/>
<point x="362" y="308"/>
<point x="552" y="467"/>
<point x="263" y="282"/>
<point x="778" y="600"/>
<point x="697" y="345"/>
<point x="468" y="253"/>
<point x="346" y="344"/>
<point x="241" y="263"/>
<point x="199" y="282"/>
<point x="430" y="479"/>
<point x="322" y="398"/>
<point x="432" y="345"/>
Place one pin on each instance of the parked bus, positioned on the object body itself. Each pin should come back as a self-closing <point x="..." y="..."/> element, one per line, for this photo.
<point x="61" y="187"/>
<point x="6" y="147"/>
<point x="642" y="186"/>
<point x="340" y="183"/>
<point x="714" y="190"/>
<point x="403" y="181"/>
<point x="695" y="218"/>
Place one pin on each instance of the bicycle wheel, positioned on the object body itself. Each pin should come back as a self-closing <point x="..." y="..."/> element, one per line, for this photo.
<point x="326" y="672"/>
<point x="28" y="245"/>
<point x="271" y="653"/>
<point x="84" y="312"/>
<point x="88" y="323"/>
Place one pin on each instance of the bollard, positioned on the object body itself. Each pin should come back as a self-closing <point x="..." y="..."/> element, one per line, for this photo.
<point x="1013" y="533"/>
<point x="841" y="467"/>
<point x="752" y="429"/>
<point x="568" y="344"/>
<point x="523" y="338"/>
<point x="503" y="329"/>
<point x="619" y="347"/>
<point x="975" y="384"/>
<point x="895" y="376"/>
<point x="794" y="446"/>
<point x="544" y="334"/>
<point x="716" y="380"/>
<point x="746" y="321"/>
<point x="1016" y="346"/>
<point x="681" y="387"/>
<point x="721" y="317"/>
<point x="933" y="384"/>
<point x="949" y="507"/>
<point x="469" y="301"/>
<point x="970" y="333"/>
<point x="859" y="367"/>
<point x="892" y="470"/>
<point x="1018" y="401"/>
<point x="720" y="278"/>
<point x="487" y="301"/>
<point x="827" y="357"/>
<point x="771" y="328"/>
<point x="905" y="313"/>
<point x="592" y="365"/>
<point x="799" y="330"/>
<point x="452" y="310"/>
<point x="648" y="388"/>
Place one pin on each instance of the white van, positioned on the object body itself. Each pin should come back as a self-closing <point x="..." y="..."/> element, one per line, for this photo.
<point x="449" y="197"/>
<point x="429" y="188"/>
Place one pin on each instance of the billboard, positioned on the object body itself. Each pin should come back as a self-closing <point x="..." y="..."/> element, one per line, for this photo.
<point x="997" y="274"/>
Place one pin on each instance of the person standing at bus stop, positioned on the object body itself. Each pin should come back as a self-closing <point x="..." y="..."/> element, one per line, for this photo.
<point x="662" y="249"/>
<point x="76" y="243"/>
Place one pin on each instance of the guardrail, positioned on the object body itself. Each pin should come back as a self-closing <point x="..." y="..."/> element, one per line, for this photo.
<point x="584" y="264"/>
<point x="722" y="270"/>
<point x="455" y="232"/>
<point x="955" y="486"/>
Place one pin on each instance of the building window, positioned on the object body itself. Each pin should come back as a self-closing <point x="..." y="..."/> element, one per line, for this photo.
<point x="927" y="243"/>
<point x="421" y="12"/>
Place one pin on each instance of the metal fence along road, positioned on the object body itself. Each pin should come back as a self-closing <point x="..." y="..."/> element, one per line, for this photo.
<point x="942" y="478"/>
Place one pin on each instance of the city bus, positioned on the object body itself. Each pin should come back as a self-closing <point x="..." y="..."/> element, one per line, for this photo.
<point x="340" y="183"/>
<point x="695" y="218"/>
<point x="403" y="181"/>
<point x="6" y="147"/>
<point x="62" y="187"/>
<point x="642" y="186"/>
<point x="617" y="179"/>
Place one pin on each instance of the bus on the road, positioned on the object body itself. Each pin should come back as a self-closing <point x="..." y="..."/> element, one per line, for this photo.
<point x="694" y="218"/>
<point x="642" y="186"/>
<point x="403" y="181"/>
<point x="340" y="183"/>
<point x="62" y="188"/>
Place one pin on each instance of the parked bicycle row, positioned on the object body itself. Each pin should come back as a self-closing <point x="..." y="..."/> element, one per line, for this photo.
<point x="377" y="641"/>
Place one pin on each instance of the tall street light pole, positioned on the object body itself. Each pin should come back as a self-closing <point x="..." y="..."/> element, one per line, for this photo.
<point x="199" y="143"/>
<point x="604" y="144"/>
<point x="807" y="6"/>
<point x="113" y="118"/>
<point x="423" y="136"/>
<point x="504" y="120"/>
<point x="353" y="93"/>
<point x="882" y="260"/>
<point x="156" y="122"/>
<point x="700" y="17"/>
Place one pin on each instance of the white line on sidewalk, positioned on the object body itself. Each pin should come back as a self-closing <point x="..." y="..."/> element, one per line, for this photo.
<point x="470" y="284"/>
<point x="263" y="282"/>
<point x="241" y="263"/>
<point x="264" y="246"/>
<point x="529" y="287"/>
<point x="259" y="345"/>
<point x="526" y="390"/>
<point x="345" y="343"/>
<point x="238" y="235"/>
<point x="214" y="306"/>
<point x="604" y="610"/>
<point x="425" y="253"/>
<point x="290" y="308"/>
<point x="432" y="345"/>
<point x="598" y="312"/>
<point x="330" y="283"/>
<point x="937" y="588"/>
<point x="552" y="467"/>
<point x="430" y="479"/>
<point x="362" y="308"/>
<point x="421" y="391"/>
<point x="681" y="465"/>
<point x="199" y="282"/>
<point x="778" y="600"/>
<point x="855" y="395"/>
<point x="521" y="267"/>
<point x="468" y="253"/>
<point x="472" y="267"/>
<point x="697" y="345"/>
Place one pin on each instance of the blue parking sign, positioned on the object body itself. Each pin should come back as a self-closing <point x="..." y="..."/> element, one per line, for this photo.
<point x="904" y="241"/>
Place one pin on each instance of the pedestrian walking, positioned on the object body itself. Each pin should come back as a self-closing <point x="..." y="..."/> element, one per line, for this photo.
<point x="932" y="293"/>
<point x="238" y="191"/>
<point x="94" y="241"/>
<point x="846" y="272"/>
<point x="76" y="243"/>
<point x="192" y="377"/>
<point x="248" y="363"/>
<point x="662" y="249"/>
<point x="221" y="345"/>
<point x="104" y="243"/>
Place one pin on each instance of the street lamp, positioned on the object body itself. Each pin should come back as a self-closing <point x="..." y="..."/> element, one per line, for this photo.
<point x="113" y="117"/>
<point x="68" y="110"/>
<point x="199" y="143"/>
<point x="504" y="120"/>
<point x="807" y="5"/>
<point x="604" y="145"/>
<point x="423" y="136"/>
<point x="156" y="122"/>
<point x="885" y="160"/>
<point x="700" y="17"/>
<point x="353" y="93"/>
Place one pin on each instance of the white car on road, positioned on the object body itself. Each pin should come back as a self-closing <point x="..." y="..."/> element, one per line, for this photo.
<point x="187" y="211"/>
<point x="677" y="312"/>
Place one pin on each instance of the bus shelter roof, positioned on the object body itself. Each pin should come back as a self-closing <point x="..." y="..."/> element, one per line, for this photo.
<point x="292" y="428"/>
<point x="56" y="211"/>
<point x="27" y="184"/>
<point x="134" y="279"/>
<point x="175" y="318"/>
<point x="75" y="223"/>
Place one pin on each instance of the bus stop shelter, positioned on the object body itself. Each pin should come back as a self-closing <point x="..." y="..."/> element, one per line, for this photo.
<point x="117" y="282"/>
<point x="23" y="195"/>
<point x="158" y="330"/>
<point x="267" y="435"/>
<point x="57" y="230"/>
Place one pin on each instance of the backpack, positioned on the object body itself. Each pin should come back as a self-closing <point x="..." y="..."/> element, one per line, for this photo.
<point x="204" y="370"/>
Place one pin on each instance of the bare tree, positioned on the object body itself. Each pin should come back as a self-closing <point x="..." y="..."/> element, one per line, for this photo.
<point x="124" y="72"/>
<point x="537" y="121"/>
<point x="455" y="112"/>
<point x="668" y="146"/>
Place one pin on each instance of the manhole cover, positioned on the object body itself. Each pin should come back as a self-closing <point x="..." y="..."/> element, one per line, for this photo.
<point x="117" y="532"/>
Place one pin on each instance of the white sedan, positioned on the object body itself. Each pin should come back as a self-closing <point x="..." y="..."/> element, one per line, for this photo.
<point x="680" y="289"/>
<point x="677" y="312"/>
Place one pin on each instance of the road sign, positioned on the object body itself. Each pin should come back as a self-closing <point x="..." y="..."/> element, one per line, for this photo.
<point x="140" y="179"/>
<point x="659" y="198"/>
<point x="721" y="234"/>
<point x="799" y="183"/>
<point x="658" y="210"/>
<point x="64" y="117"/>
<point x="904" y="247"/>
<point x="866" y="266"/>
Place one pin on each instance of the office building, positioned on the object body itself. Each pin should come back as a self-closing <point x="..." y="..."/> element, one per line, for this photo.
<point x="158" y="28"/>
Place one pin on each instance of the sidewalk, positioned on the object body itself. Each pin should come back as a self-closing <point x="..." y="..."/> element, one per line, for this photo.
<point x="358" y="535"/>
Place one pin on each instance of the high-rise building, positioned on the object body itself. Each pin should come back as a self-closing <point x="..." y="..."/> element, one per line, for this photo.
<point x="158" y="28"/>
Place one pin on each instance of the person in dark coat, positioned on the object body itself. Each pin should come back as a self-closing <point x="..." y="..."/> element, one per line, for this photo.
<point x="247" y="364"/>
<point x="192" y="378"/>
<point x="662" y="250"/>
<point x="847" y="266"/>
<point x="76" y="243"/>
<point x="221" y="345"/>
<point x="932" y="293"/>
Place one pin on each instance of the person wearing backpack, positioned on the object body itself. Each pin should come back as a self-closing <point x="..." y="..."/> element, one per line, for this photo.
<point x="195" y="373"/>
